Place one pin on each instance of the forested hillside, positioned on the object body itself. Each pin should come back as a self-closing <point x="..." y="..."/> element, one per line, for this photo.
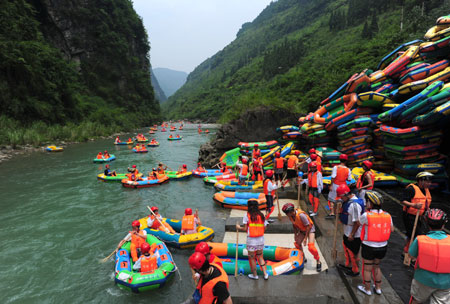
<point x="296" y="52"/>
<point x="72" y="69"/>
<point x="170" y="80"/>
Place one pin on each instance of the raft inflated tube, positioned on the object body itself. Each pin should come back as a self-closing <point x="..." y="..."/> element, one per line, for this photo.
<point x="372" y="99"/>
<point x="353" y="132"/>
<point x="428" y="47"/>
<point x="318" y="134"/>
<point x="356" y="123"/>
<point x="230" y="185"/>
<point x="279" y="260"/>
<point x="411" y="150"/>
<point x="124" y="143"/>
<point x="153" y="144"/>
<point x="139" y="151"/>
<point x="104" y="160"/>
<point x="261" y="145"/>
<point x="410" y="113"/>
<point x="292" y="135"/>
<point x="396" y="65"/>
<point x="137" y="282"/>
<point x="424" y="72"/>
<point x="419" y="84"/>
<point x="286" y="149"/>
<point x="239" y="200"/>
<point x="230" y="157"/>
<point x="433" y="116"/>
<point x="175" y="138"/>
<point x="117" y="178"/>
<point x="54" y="149"/>
<point x="359" y="155"/>
<point x="145" y="182"/>
<point x="380" y="178"/>
<point x="437" y="32"/>
<point x="385" y="61"/>
<point x="177" y="176"/>
<point x="287" y="129"/>
<point x="354" y="148"/>
<point x="311" y="128"/>
<point x="356" y="140"/>
<point x="210" y="172"/>
<point x="348" y="101"/>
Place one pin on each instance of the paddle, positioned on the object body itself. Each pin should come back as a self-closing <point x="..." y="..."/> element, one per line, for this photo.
<point x="237" y="244"/>
<point x="334" y="251"/>
<point x="278" y="204"/>
<point x="407" y="258"/>
<point x="107" y="258"/>
<point x="166" y="166"/>
<point x="167" y="230"/>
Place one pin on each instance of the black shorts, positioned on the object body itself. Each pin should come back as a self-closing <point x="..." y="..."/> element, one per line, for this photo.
<point x="291" y="173"/>
<point x="269" y="201"/>
<point x="408" y="220"/>
<point x="372" y="253"/>
<point x="354" y="245"/>
<point x="314" y="192"/>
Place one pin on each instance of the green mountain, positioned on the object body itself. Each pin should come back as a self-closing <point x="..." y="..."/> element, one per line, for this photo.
<point x="70" y="62"/>
<point x="296" y="52"/>
<point x="159" y="93"/>
<point x="170" y="80"/>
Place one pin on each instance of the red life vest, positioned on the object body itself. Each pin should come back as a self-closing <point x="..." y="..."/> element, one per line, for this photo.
<point x="206" y="291"/>
<point x="279" y="163"/>
<point x="419" y="198"/>
<point x="136" y="240"/>
<point x="265" y="187"/>
<point x="434" y="255"/>
<point x="187" y="223"/>
<point x="341" y="175"/>
<point x="292" y="161"/>
<point x="255" y="229"/>
<point x="156" y="223"/>
<point x="312" y="179"/>
<point x="361" y="180"/>
<point x="148" y="263"/>
<point x="297" y="221"/>
<point x="378" y="227"/>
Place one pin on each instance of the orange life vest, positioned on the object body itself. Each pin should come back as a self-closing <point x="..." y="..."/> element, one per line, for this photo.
<point x="312" y="179"/>
<point x="161" y="171"/>
<point x="244" y="170"/>
<point x="279" y="163"/>
<point x="136" y="240"/>
<point x="149" y="263"/>
<point x="341" y="175"/>
<point x="434" y="255"/>
<point x="215" y="260"/>
<point x="266" y="190"/>
<point x="206" y="291"/>
<point x="362" y="177"/>
<point x="257" y="164"/>
<point x="297" y="221"/>
<point x="255" y="229"/>
<point x="419" y="198"/>
<point x="378" y="227"/>
<point x="99" y="156"/>
<point x="291" y="162"/>
<point x="187" y="223"/>
<point x="156" y="223"/>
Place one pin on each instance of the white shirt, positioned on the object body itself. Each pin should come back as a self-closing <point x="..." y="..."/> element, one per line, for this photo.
<point x="270" y="187"/>
<point x="150" y="221"/>
<point x="363" y="220"/>
<point x="354" y="214"/>
<point x="128" y="237"/>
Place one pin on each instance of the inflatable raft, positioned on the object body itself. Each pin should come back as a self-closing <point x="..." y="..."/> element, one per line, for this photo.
<point x="154" y="144"/>
<point x="238" y="200"/>
<point x="175" y="138"/>
<point x="123" y="143"/>
<point x="139" y="151"/>
<point x="119" y="177"/>
<point x="381" y="179"/>
<point x="145" y="182"/>
<point x="228" y="185"/>
<point x="210" y="172"/>
<point x="261" y="145"/>
<point x="287" y="129"/>
<point x="134" y="281"/>
<point x="104" y="160"/>
<point x="204" y="234"/>
<point x="178" y="176"/>
<point x="279" y="260"/>
<point x="142" y="140"/>
<point x="231" y="157"/>
<point x="54" y="149"/>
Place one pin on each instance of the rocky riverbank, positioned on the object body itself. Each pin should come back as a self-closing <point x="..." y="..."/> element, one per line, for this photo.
<point x="258" y="124"/>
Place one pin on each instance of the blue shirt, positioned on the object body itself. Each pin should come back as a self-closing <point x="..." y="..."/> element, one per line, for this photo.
<point x="428" y="278"/>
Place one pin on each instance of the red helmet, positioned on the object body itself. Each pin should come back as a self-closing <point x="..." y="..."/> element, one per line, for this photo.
<point x="133" y="166"/>
<point x="100" y="153"/>
<point x="136" y="223"/>
<point x="313" y="164"/>
<point x="145" y="247"/>
<point x="154" y="208"/>
<point x="197" y="260"/>
<point x="202" y="247"/>
<point x="223" y="163"/>
<point x="435" y="218"/>
<point x="313" y="156"/>
<point x="368" y="164"/>
<point x="288" y="208"/>
<point x="188" y="211"/>
<point x="342" y="190"/>
<point x="269" y="173"/>
<point x="297" y="152"/>
<point x="312" y="150"/>
<point x="199" y="164"/>
<point x="343" y="157"/>
<point x="184" y="166"/>
<point x="105" y="151"/>
<point x="107" y="166"/>
<point x="244" y="160"/>
<point x="277" y="154"/>
<point x="255" y="145"/>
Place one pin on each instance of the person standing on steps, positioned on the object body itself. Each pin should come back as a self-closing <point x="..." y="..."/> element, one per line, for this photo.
<point x="432" y="275"/>
<point x="377" y="227"/>
<point x="278" y="165"/>
<point x="417" y="198"/>
<point x="365" y="181"/>
<point x="292" y="168"/>
<point x="339" y="176"/>
<point x="350" y="214"/>
<point x="304" y="231"/>
<point x="243" y="171"/>
<point x="315" y="185"/>
<point x="269" y="189"/>
<point x="255" y="223"/>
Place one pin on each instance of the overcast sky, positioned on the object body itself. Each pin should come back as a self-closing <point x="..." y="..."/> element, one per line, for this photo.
<point x="183" y="33"/>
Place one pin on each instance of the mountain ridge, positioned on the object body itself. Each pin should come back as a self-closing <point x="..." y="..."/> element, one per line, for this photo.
<point x="170" y="80"/>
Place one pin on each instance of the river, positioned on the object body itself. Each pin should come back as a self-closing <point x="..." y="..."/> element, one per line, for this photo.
<point x="58" y="221"/>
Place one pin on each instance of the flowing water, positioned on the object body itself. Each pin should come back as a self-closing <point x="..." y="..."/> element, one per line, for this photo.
<point x="57" y="221"/>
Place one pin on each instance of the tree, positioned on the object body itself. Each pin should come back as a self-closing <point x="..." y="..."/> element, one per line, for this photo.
<point x="373" y="25"/>
<point x="366" y="33"/>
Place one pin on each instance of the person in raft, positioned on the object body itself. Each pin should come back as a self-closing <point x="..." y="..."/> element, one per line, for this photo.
<point x="304" y="231"/>
<point x="212" y="286"/>
<point x="269" y="188"/>
<point x="134" y="173"/>
<point x="339" y="176"/>
<point x="182" y="169"/>
<point x="137" y="238"/>
<point x="417" y="198"/>
<point x="147" y="262"/>
<point x="106" y="154"/>
<point x="117" y="140"/>
<point x="200" y="168"/>
<point x="108" y="172"/>
<point x="377" y="227"/>
<point x="153" y="175"/>
<point x="178" y="135"/>
<point x="162" y="169"/>
<point x="365" y="181"/>
<point x="130" y="140"/>
<point x="190" y="222"/>
<point x="170" y="136"/>
<point x="254" y="223"/>
<point x="155" y="222"/>
<point x="223" y="167"/>
<point x="100" y="155"/>
<point x="350" y="214"/>
<point x="315" y="184"/>
<point x="292" y="168"/>
<point x="432" y="275"/>
<point x="243" y="171"/>
<point x="278" y="164"/>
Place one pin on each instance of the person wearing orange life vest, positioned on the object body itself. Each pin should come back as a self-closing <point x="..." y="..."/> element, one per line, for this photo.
<point x="212" y="286"/>
<point x="200" y="168"/>
<point x="269" y="188"/>
<point x="100" y="155"/>
<point x="170" y="136"/>
<point x="315" y="184"/>
<point x="417" y="198"/>
<point x="339" y="176"/>
<point x="308" y="160"/>
<point x="106" y="154"/>
<point x="130" y="139"/>
<point x="255" y="151"/>
<point x="147" y="262"/>
<point x="223" y="167"/>
<point x="292" y="168"/>
<point x="257" y="167"/>
<point x="243" y="171"/>
<point x="153" y="175"/>
<point x="190" y="222"/>
<point x="137" y="238"/>
<point x="365" y="181"/>
<point x="182" y="169"/>
<point x="315" y="158"/>
<point x="153" y="223"/>
<point x="304" y="231"/>
<point x="432" y="274"/>
<point x="376" y="229"/>
<point x="161" y="169"/>
<point x="133" y="174"/>
<point x="278" y="165"/>
<point x="204" y="248"/>
<point x="255" y="223"/>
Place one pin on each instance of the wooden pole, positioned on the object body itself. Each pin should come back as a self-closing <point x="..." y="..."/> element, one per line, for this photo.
<point x="237" y="247"/>
<point x="407" y="259"/>
<point x="167" y="230"/>
<point x="334" y="251"/>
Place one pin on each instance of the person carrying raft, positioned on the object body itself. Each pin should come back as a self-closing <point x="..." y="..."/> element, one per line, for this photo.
<point x="315" y="184"/>
<point x="254" y="223"/>
<point x="269" y="189"/>
<point x="190" y="222"/>
<point x="365" y="181"/>
<point x="153" y="223"/>
<point x="223" y="167"/>
<point x="137" y="238"/>
<point x="304" y="231"/>
<point x="339" y="177"/>
<point x="212" y="286"/>
<point x="147" y="262"/>
<point x="108" y="172"/>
